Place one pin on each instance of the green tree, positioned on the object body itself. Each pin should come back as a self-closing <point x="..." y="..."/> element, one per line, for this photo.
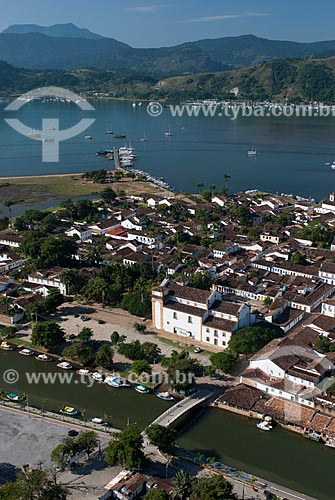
<point x="140" y="366"/>
<point x="87" y="441"/>
<point x="181" y="369"/>
<point x="80" y="352"/>
<point x="298" y="258"/>
<point x="132" y="350"/>
<point x="115" y="338"/>
<point x="140" y="327"/>
<point x="150" y="350"/>
<point x="108" y="195"/>
<point x="156" y="494"/>
<point x="267" y="301"/>
<point x="182" y="485"/>
<point x="33" y="485"/>
<point x="47" y="334"/>
<point x="224" y="361"/>
<point x="60" y="456"/>
<point x="137" y="303"/>
<point x="104" y="357"/>
<point x="162" y="437"/>
<point x="201" y="280"/>
<point x="126" y="449"/>
<point x="252" y="338"/>
<point x="215" y="487"/>
<point x="85" y="334"/>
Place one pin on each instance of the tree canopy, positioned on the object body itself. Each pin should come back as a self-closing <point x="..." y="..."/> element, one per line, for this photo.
<point x="252" y="338"/>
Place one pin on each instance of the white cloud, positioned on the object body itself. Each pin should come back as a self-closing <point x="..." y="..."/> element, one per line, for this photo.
<point x="224" y="17"/>
<point x="145" y="8"/>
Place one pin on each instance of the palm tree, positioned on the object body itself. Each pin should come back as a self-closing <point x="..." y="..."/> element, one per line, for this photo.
<point x="182" y="485"/>
<point x="226" y="179"/>
<point x="212" y="187"/>
<point x="9" y="204"/>
<point x="200" y="186"/>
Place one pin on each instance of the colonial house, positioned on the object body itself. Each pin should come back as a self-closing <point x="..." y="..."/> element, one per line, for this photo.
<point x="10" y="238"/>
<point x="81" y="232"/>
<point x="200" y="315"/>
<point x="50" y="278"/>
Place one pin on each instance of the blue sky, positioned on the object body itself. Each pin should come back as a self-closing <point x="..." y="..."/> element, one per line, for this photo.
<point x="145" y="23"/>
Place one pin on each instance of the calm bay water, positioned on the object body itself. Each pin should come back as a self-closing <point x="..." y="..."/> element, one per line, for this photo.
<point x="293" y="151"/>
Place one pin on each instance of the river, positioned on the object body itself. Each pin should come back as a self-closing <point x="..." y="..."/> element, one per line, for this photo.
<point x="279" y="456"/>
<point x="292" y="151"/>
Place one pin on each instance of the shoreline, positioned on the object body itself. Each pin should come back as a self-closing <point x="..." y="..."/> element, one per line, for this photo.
<point x="13" y="177"/>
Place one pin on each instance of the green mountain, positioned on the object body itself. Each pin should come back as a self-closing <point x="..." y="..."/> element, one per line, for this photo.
<point x="300" y="80"/>
<point x="248" y="50"/>
<point x="67" y="47"/>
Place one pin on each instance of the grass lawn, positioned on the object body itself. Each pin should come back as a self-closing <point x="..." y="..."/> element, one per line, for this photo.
<point x="30" y="190"/>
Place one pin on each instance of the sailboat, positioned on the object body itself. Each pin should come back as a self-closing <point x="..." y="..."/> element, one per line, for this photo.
<point x="252" y="152"/>
<point x="169" y="133"/>
<point x="143" y="139"/>
<point x="109" y="130"/>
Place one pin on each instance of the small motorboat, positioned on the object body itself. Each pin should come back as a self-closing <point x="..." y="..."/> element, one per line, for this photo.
<point x="125" y="383"/>
<point x="26" y="352"/>
<point x="120" y="136"/>
<point x="330" y="443"/>
<point x="43" y="357"/>
<point x="68" y="410"/>
<point x="13" y="397"/>
<point x="88" y="137"/>
<point x="96" y="420"/>
<point x="264" y="426"/>
<point x="97" y="376"/>
<point x="166" y="396"/>
<point x="84" y="372"/>
<point x="252" y="152"/>
<point x="113" y="381"/>
<point x="142" y="389"/>
<point x="6" y="347"/>
<point x="65" y="365"/>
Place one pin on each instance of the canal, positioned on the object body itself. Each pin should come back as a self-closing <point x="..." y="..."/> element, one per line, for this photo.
<point x="279" y="456"/>
<point x="117" y="406"/>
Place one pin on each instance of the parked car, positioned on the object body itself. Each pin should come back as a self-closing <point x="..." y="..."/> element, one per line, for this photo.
<point x="72" y="336"/>
<point x="84" y="318"/>
<point x="197" y="350"/>
<point x="72" y="433"/>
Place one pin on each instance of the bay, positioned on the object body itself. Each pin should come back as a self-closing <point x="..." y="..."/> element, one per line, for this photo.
<point x="292" y="151"/>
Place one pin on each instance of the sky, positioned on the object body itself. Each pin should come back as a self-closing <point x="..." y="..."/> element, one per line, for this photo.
<point x="155" y="23"/>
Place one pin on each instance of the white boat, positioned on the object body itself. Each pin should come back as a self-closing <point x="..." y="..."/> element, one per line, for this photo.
<point x="169" y="133"/>
<point x="5" y="346"/>
<point x="96" y="420"/>
<point x="26" y="352"/>
<point x="65" y="365"/>
<point x="264" y="426"/>
<point x="84" y="372"/>
<point x="333" y="165"/>
<point x="113" y="381"/>
<point x="142" y="389"/>
<point x="252" y="152"/>
<point x="166" y="396"/>
<point x="97" y="376"/>
<point x="43" y="357"/>
<point x="330" y="443"/>
<point x="88" y="137"/>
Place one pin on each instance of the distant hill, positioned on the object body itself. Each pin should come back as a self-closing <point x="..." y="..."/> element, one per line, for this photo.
<point x="67" y="47"/>
<point x="38" y="51"/>
<point x="248" y="50"/>
<point x="57" y="30"/>
<point x="300" y="80"/>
